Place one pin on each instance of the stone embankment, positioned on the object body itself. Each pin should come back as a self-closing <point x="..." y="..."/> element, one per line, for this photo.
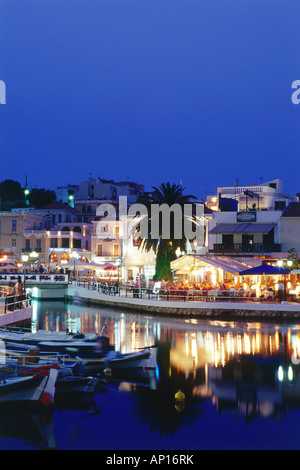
<point x="212" y="310"/>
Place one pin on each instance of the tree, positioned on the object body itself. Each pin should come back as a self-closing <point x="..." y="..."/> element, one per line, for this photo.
<point x="41" y="197"/>
<point x="11" y="194"/>
<point x="164" y="246"/>
<point x="293" y="256"/>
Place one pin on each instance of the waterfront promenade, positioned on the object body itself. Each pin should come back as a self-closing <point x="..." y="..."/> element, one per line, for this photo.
<point x="90" y="294"/>
<point x="18" y="313"/>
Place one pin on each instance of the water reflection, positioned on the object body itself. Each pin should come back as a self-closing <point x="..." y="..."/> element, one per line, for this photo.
<point x="247" y="370"/>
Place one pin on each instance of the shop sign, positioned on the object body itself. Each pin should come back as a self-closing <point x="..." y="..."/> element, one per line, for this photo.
<point x="246" y="217"/>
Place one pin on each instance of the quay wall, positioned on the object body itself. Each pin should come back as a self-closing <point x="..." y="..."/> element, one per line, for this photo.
<point x="11" y="318"/>
<point x="211" y="310"/>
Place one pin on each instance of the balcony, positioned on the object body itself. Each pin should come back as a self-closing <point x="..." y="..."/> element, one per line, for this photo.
<point x="250" y="248"/>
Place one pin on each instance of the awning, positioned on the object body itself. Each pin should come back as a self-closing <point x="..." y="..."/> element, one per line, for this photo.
<point x="229" y="265"/>
<point x="82" y="265"/>
<point x="242" y="228"/>
<point x="264" y="270"/>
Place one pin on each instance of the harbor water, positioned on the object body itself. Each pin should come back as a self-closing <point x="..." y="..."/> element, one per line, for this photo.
<point x="239" y="382"/>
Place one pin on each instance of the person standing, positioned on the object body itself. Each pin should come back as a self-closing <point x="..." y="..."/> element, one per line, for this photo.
<point x="11" y="297"/>
<point x="19" y="293"/>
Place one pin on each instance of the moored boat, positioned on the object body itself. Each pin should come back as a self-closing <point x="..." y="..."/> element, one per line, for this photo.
<point x="96" y="360"/>
<point x="96" y="354"/>
<point x="29" y="337"/>
<point x="31" y="390"/>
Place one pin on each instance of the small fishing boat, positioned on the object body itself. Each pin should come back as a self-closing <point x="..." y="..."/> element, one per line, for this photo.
<point x="28" y="337"/>
<point x="96" y="354"/>
<point x="28" y="361"/>
<point x="72" y="384"/>
<point x="96" y="360"/>
<point x="20" y="358"/>
<point x="31" y="390"/>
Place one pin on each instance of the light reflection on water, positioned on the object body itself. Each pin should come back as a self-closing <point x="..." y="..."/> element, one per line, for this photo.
<point x="244" y="370"/>
<point x="235" y="353"/>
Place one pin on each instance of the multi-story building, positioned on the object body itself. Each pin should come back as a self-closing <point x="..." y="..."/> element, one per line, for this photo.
<point x="248" y="225"/>
<point x="66" y="194"/>
<point x="245" y="232"/>
<point x="16" y="227"/>
<point x="109" y="242"/>
<point x="290" y="228"/>
<point x="263" y="196"/>
<point x="63" y="239"/>
<point x="97" y="191"/>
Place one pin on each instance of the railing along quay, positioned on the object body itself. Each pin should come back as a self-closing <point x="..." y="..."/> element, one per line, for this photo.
<point x="12" y="303"/>
<point x="185" y="295"/>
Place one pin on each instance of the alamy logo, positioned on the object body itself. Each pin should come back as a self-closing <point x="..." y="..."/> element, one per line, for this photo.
<point x="184" y="222"/>
<point x="296" y="95"/>
<point x="2" y="92"/>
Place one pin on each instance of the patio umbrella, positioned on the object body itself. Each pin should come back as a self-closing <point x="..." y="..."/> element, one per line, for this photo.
<point x="9" y="267"/>
<point x="110" y="268"/>
<point x="78" y="264"/>
<point x="264" y="270"/>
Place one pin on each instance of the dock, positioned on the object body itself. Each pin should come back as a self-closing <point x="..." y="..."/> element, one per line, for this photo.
<point x="217" y="310"/>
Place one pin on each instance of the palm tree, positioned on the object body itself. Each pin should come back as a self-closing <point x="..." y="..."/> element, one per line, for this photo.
<point x="165" y="247"/>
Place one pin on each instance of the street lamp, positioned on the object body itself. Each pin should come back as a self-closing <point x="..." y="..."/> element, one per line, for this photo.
<point x="118" y="262"/>
<point x="74" y="255"/>
<point x="26" y="193"/>
<point x="285" y="263"/>
<point x="24" y="259"/>
<point x="33" y="256"/>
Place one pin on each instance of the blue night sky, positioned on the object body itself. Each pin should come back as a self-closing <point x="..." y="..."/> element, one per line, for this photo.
<point x="197" y="91"/>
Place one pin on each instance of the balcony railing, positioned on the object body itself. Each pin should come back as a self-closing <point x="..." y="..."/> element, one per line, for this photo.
<point x="249" y="248"/>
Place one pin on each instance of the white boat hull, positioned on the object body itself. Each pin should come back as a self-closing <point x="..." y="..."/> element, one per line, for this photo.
<point x="28" y="390"/>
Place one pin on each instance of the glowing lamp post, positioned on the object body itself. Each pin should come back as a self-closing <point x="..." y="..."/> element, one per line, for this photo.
<point x="24" y="259"/>
<point x="74" y="255"/>
<point x="285" y="263"/>
<point x="26" y="193"/>
<point x="33" y="256"/>
<point x="118" y="263"/>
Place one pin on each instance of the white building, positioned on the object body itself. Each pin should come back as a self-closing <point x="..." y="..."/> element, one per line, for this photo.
<point x="263" y="196"/>
<point x="112" y="244"/>
<point x="245" y="232"/>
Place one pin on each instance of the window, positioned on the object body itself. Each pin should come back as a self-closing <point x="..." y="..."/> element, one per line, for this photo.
<point x="136" y="240"/>
<point x="27" y="244"/>
<point x="117" y="230"/>
<point x="99" y="249"/>
<point x="53" y="243"/>
<point x="14" y="242"/>
<point x="65" y="256"/>
<point x="14" y="225"/>
<point x="116" y="250"/>
<point x="38" y="245"/>
<point x="76" y="243"/>
<point x="65" y="242"/>
<point x="280" y="205"/>
<point x="227" y="239"/>
<point x="53" y="257"/>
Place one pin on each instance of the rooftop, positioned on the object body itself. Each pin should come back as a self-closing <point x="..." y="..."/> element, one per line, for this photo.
<point x="292" y="210"/>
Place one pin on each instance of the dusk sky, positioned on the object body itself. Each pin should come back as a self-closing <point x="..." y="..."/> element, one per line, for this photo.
<point x="197" y="91"/>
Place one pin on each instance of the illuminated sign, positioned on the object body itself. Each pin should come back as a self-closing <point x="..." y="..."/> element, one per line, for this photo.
<point x="246" y="217"/>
